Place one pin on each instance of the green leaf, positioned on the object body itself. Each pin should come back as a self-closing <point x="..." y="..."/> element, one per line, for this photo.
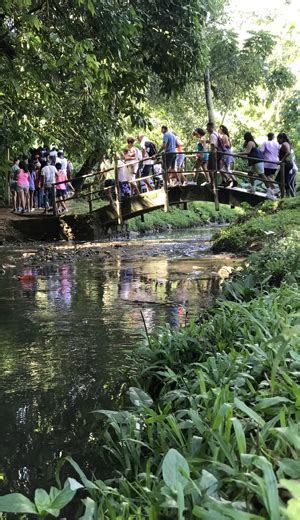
<point x="42" y="500"/>
<point x="246" y="410"/>
<point x="239" y="434"/>
<point x="218" y="511"/>
<point x="270" y="401"/>
<point x="90" y="509"/>
<point x="173" y="467"/>
<point x="138" y="397"/>
<point x="292" y="486"/>
<point x="91" y="7"/>
<point x="208" y="483"/>
<point x="293" y="509"/>
<point x="88" y="484"/>
<point x="17" y="503"/>
<point x="270" y="492"/>
<point x="290" y="467"/>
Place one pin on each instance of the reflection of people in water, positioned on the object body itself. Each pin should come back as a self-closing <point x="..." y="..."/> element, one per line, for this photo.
<point x="65" y="283"/>
<point x="28" y="280"/>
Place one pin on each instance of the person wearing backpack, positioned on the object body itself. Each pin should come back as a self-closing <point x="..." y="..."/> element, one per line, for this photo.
<point x="255" y="161"/>
<point x="216" y="155"/>
<point x="148" y="151"/>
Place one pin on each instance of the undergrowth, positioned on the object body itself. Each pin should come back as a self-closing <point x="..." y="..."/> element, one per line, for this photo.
<point x="257" y="226"/>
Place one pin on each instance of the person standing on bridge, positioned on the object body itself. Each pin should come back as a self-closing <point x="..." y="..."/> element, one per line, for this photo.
<point x="202" y="156"/>
<point x="255" y="160"/>
<point x="229" y="179"/>
<point x="169" y="149"/>
<point x="285" y="155"/>
<point x="148" y="151"/>
<point x="270" y="150"/>
<point x="132" y="157"/>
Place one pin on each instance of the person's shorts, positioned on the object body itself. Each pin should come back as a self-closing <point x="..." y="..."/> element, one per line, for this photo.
<point x="170" y="161"/>
<point x="13" y="186"/>
<point x="61" y="193"/>
<point x="21" y="188"/>
<point x="147" y="170"/>
<point x="180" y="160"/>
<point x="270" y="171"/>
<point x="258" y="168"/>
<point x="109" y="183"/>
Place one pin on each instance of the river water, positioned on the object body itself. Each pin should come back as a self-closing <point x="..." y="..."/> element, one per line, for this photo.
<point x="66" y="333"/>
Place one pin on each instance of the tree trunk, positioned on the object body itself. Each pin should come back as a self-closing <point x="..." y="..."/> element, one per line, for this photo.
<point x="208" y="97"/>
<point x="95" y="157"/>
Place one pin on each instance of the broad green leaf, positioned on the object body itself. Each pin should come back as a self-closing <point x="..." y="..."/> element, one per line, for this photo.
<point x="17" y="503"/>
<point x="138" y="397"/>
<point x="173" y="468"/>
<point x="41" y="500"/>
<point x="248" y="411"/>
<point x="90" y="509"/>
<point x="290" y="467"/>
<point x="208" y="483"/>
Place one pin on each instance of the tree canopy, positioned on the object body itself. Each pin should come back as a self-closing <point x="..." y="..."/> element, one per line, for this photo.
<point x="77" y="72"/>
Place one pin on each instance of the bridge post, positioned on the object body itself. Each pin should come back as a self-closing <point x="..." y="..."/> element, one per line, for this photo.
<point x="165" y="182"/>
<point x="214" y="180"/>
<point x="118" y="194"/>
<point x="282" y="180"/>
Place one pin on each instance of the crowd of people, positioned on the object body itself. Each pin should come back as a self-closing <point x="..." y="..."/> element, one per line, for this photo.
<point x="140" y="167"/>
<point x="32" y="179"/>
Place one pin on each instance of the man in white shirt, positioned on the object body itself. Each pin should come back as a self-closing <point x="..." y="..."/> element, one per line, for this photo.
<point x="270" y="151"/>
<point x="63" y="161"/>
<point x="47" y="180"/>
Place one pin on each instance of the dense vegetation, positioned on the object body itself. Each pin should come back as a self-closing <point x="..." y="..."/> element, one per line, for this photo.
<point x="212" y="431"/>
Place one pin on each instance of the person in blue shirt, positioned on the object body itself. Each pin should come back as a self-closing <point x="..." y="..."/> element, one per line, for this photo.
<point x="169" y="147"/>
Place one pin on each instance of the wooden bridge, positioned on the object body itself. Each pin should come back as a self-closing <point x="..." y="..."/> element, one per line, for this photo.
<point x="95" y="222"/>
<point x="145" y="202"/>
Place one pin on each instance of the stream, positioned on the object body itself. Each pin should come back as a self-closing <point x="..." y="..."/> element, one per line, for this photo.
<point x="67" y="332"/>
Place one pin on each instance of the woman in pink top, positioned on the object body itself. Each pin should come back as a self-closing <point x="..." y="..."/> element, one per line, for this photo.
<point x="61" y="189"/>
<point x="23" y="186"/>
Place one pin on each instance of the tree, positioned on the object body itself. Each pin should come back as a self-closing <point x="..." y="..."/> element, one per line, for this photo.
<point x="75" y="71"/>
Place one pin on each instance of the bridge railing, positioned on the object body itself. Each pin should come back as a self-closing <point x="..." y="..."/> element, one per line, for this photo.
<point x="94" y="191"/>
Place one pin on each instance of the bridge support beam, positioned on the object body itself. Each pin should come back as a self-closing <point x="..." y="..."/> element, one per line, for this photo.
<point x="118" y="194"/>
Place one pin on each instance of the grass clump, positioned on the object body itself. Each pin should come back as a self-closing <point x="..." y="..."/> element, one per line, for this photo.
<point x="258" y="226"/>
<point x="197" y="214"/>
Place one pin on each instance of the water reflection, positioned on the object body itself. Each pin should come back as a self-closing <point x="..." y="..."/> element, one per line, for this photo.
<point x="65" y="332"/>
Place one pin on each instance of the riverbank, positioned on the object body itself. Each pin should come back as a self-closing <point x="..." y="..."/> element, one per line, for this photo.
<point x="211" y="426"/>
<point x="196" y="214"/>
